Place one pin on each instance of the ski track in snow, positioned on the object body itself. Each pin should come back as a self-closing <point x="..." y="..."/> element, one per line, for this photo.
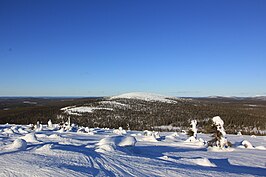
<point x="74" y="154"/>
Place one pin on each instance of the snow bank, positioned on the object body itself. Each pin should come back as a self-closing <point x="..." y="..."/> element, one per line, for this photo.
<point x="145" y="97"/>
<point x="18" y="144"/>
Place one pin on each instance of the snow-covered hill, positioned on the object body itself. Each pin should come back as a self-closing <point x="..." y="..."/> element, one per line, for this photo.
<point x="145" y="96"/>
<point x="83" y="151"/>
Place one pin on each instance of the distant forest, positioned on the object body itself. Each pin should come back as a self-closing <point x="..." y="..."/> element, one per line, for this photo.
<point x="245" y="115"/>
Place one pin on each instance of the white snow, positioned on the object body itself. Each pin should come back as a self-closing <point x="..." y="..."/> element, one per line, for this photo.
<point x="30" y="138"/>
<point x="201" y="161"/>
<point x="145" y="96"/>
<point x="82" y="109"/>
<point x="247" y="144"/>
<point x="18" y="144"/>
<point x="119" y="131"/>
<point x="127" y="141"/>
<point x="132" y="154"/>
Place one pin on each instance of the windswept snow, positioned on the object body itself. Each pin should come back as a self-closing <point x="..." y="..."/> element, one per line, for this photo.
<point x="104" y="153"/>
<point x="145" y="97"/>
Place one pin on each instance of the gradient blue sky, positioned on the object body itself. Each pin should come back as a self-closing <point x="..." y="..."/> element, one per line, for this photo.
<point x="103" y="47"/>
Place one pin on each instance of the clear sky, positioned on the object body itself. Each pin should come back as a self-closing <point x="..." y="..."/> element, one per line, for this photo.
<point x="104" y="47"/>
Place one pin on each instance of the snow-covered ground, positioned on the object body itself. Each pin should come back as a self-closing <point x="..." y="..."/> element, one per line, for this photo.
<point x="73" y="110"/>
<point x="107" y="152"/>
<point x="145" y="96"/>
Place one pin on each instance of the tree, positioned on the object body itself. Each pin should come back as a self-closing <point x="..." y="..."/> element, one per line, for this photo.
<point x="219" y="139"/>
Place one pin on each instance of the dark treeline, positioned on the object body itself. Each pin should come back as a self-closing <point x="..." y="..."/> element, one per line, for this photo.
<point x="245" y="115"/>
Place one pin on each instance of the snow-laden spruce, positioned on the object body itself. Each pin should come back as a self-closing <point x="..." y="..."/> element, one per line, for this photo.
<point x="219" y="136"/>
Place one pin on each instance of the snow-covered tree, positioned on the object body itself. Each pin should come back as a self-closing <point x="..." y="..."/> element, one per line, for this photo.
<point x="193" y="130"/>
<point x="50" y="124"/>
<point x="219" y="134"/>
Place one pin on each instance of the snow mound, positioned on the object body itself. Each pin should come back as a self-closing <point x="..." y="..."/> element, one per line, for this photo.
<point x="127" y="141"/>
<point x="151" y="136"/>
<point x="105" y="144"/>
<point x="55" y="136"/>
<point x="145" y="96"/>
<point x="173" y="136"/>
<point x="120" y="131"/>
<point x="246" y="144"/>
<point x="195" y="141"/>
<point x="110" y="143"/>
<point x="8" y="131"/>
<point x="30" y="138"/>
<point x="191" y="139"/>
<point x="18" y="144"/>
<point x="45" y="148"/>
<point x="20" y="130"/>
<point x="201" y="161"/>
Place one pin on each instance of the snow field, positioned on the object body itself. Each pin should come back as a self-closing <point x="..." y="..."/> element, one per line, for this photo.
<point x="134" y="153"/>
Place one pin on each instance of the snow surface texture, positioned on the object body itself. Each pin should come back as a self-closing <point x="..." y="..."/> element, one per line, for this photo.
<point x="145" y="97"/>
<point x="104" y="153"/>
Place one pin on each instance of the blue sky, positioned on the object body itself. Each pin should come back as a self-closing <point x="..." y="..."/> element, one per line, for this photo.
<point x="103" y="47"/>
